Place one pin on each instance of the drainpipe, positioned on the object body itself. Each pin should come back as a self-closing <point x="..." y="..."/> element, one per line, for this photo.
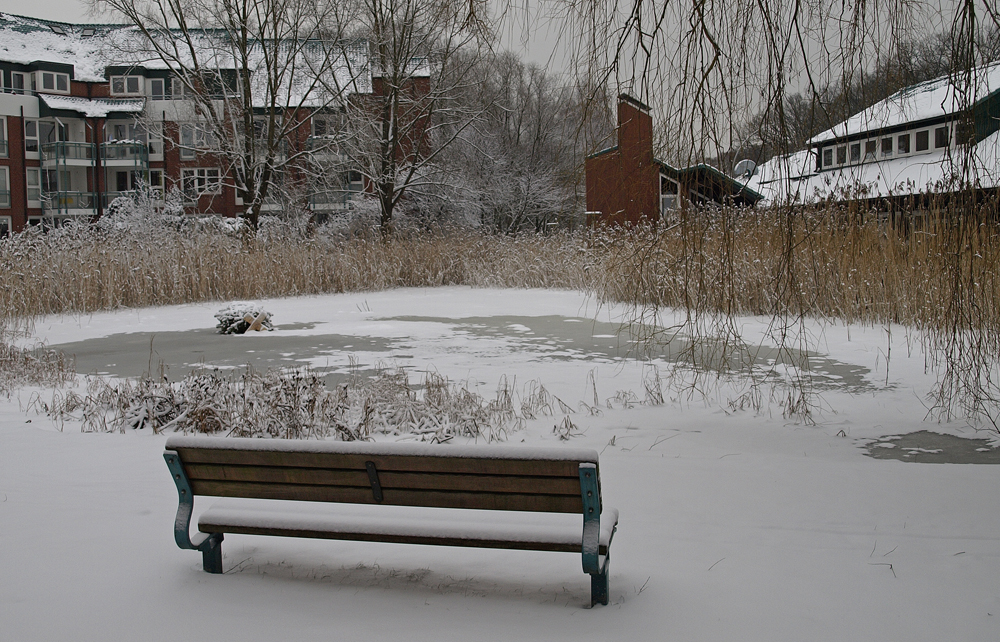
<point x="98" y="192"/>
<point x="24" y="171"/>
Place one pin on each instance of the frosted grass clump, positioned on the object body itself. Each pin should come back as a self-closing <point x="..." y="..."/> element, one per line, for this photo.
<point x="240" y="316"/>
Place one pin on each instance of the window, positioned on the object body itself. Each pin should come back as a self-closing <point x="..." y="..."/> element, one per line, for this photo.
<point x="30" y="135"/>
<point x="855" y="152"/>
<point x="87" y="33"/>
<point x="195" y="137"/>
<point x="841" y="154"/>
<point x="870" y="147"/>
<point x="56" y="181"/>
<point x="160" y="89"/>
<point x="326" y="124"/>
<point x="55" y="82"/>
<point x="903" y="144"/>
<point x="923" y="142"/>
<point x="17" y="82"/>
<point x="126" y="85"/>
<point x="941" y="137"/>
<point x="5" y="225"/>
<point x="887" y="147"/>
<point x="156" y="182"/>
<point x="33" y="181"/>
<point x="3" y="137"/>
<point x="4" y="188"/>
<point x="197" y="182"/>
<point x="828" y="157"/>
<point x="59" y="30"/>
<point x="668" y="191"/>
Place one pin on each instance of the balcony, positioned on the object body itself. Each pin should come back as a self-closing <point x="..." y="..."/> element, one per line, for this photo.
<point x="68" y="153"/>
<point x="325" y="147"/>
<point x="125" y="154"/>
<point x="73" y="203"/>
<point x="332" y="200"/>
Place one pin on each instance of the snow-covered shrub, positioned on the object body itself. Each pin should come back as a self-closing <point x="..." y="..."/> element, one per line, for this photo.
<point x="233" y="317"/>
<point x="290" y="404"/>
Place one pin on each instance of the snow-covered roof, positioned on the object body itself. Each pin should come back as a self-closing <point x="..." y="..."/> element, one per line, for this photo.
<point x="794" y="177"/>
<point x="96" y="107"/>
<point x="90" y="48"/>
<point x="932" y="99"/>
<point x="27" y="40"/>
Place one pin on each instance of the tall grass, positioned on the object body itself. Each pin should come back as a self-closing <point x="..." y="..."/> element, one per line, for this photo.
<point x="941" y="277"/>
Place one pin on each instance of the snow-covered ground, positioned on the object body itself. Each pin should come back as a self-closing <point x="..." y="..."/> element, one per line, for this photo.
<point x="735" y="525"/>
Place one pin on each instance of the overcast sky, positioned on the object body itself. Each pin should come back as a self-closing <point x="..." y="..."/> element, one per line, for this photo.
<point x="539" y="50"/>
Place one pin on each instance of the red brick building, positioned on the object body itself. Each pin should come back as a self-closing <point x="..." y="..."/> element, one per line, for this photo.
<point x="626" y="184"/>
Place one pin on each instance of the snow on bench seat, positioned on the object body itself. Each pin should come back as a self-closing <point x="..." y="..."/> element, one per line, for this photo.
<point x="481" y="529"/>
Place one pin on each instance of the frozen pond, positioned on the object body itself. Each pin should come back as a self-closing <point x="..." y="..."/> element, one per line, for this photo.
<point x="414" y="342"/>
<point x="928" y="447"/>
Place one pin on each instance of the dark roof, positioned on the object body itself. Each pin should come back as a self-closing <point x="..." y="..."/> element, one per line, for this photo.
<point x="635" y="102"/>
<point x="704" y="174"/>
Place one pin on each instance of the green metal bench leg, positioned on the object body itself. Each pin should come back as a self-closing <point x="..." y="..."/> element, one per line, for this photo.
<point x="600" y="586"/>
<point x="211" y="553"/>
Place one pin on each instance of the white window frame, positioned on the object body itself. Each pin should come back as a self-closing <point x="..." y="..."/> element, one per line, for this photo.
<point x="156" y="183"/>
<point x="54" y="77"/>
<point x="33" y="137"/>
<point x="27" y="80"/>
<point x="4" y="139"/>
<point x="165" y="89"/>
<point x="195" y="137"/>
<point x="202" y="181"/>
<point x="33" y="182"/>
<point x="8" y="222"/>
<point x="5" y="200"/>
<point x="124" y="82"/>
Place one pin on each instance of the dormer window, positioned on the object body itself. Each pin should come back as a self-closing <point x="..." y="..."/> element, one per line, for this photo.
<point x="87" y="33"/>
<point x="923" y="141"/>
<point x="52" y="81"/>
<point x="887" y="147"/>
<point x="126" y="85"/>
<point x="58" y="30"/>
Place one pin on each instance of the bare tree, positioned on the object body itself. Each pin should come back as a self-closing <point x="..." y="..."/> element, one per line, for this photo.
<point x="423" y="54"/>
<point x="251" y="73"/>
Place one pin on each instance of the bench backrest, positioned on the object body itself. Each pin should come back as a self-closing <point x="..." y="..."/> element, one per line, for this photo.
<point x="475" y="477"/>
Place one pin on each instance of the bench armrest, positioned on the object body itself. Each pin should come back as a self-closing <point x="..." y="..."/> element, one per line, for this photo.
<point x="208" y="544"/>
<point x="590" y="493"/>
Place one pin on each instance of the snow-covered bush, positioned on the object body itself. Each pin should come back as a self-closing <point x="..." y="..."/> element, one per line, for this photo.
<point x="233" y="317"/>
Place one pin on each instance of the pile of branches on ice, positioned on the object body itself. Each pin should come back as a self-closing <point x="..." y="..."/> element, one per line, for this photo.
<point x="290" y="404"/>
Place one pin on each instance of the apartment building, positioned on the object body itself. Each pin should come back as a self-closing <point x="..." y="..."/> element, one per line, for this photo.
<point x="82" y="123"/>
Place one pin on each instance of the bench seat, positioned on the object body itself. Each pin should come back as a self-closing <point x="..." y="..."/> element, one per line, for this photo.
<point x="442" y="527"/>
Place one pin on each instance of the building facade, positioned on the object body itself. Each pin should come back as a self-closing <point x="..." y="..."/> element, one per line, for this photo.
<point x="80" y="127"/>
<point x="910" y="150"/>
<point x="626" y="184"/>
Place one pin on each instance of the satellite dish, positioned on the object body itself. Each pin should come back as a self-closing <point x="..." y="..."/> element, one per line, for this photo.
<point x="745" y="169"/>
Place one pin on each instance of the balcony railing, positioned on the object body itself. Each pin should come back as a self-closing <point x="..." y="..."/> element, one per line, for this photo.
<point x="332" y="200"/>
<point x="324" y="144"/>
<point x="134" y="152"/>
<point x="65" y="150"/>
<point x="64" y="201"/>
<point x="5" y="198"/>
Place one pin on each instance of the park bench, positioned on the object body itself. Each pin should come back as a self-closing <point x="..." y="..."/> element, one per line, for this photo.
<point x="473" y="482"/>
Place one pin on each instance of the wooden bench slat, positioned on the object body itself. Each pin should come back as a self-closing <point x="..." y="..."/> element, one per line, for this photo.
<point x="527" y="467"/>
<point x="392" y="496"/>
<point x="388" y="480"/>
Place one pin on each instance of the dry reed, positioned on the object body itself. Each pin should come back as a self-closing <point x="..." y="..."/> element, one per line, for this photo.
<point x="939" y="278"/>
